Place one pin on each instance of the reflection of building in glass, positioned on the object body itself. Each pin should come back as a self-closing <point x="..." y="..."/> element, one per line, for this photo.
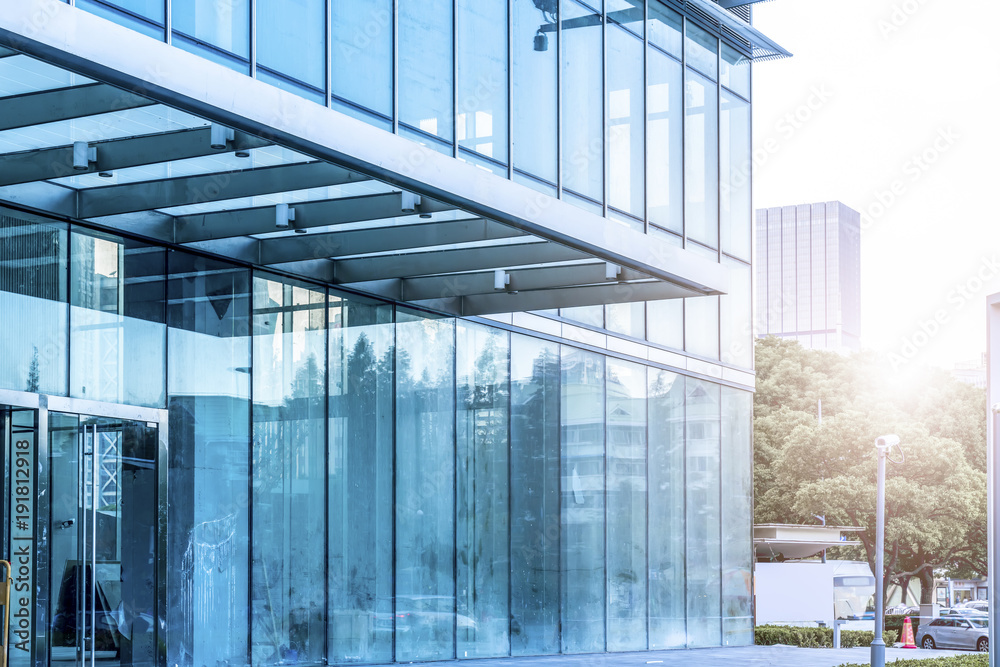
<point x="367" y="332"/>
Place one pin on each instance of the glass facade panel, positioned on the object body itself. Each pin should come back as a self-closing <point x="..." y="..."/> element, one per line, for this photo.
<point x="223" y="24"/>
<point x="702" y="50"/>
<point x="665" y="145"/>
<point x="665" y="27"/>
<point x="735" y="167"/>
<point x="701" y="160"/>
<point x="666" y="323"/>
<point x="626" y="475"/>
<point x="145" y="16"/>
<point x="482" y="492"/>
<point x="289" y="472"/>
<point x="535" y="519"/>
<point x="481" y="58"/>
<point x="583" y="106"/>
<point x="291" y="39"/>
<point x="701" y="326"/>
<point x="583" y="502"/>
<point x="208" y="380"/>
<point x="425" y="66"/>
<point x="535" y="55"/>
<point x="362" y="53"/>
<point x="626" y="132"/>
<point x="736" y="323"/>
<point x="425" y="488"/>
<point x="735" y="72"/>
<point x="626" y="318"/>
<point x="737" y="517"/>
<point x="592" y="315"/>
<point x="362" y="341"/>
<point x="702" y="489"/>
<point x="667" y="612"/>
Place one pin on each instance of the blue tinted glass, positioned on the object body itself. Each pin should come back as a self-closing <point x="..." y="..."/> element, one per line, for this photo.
<point x="425" y="66"/>
<point x="665" y="143"/>
<point x="737" y="517"/>
<point x="291" y="38"/>
<point x="132" y="16"/>
<point x="583" y="106"/>
<point x="626" y="113"/>
<point x="536" y="53"/>
<point x="481" y="124"/>
<point x="702" y="50"/>
<point x="225" y="24"/>
<point x="735" y="169"/>
<point x="701" y="160"/>
<point x="665" y="28"/>
<point x="735" y="73"/>
<point x="362" y="53"/>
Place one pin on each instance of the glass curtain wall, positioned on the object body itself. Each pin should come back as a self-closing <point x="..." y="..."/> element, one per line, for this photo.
<point x="426" y="76"/>
<point x="737" y="517"/>
<point x="481" y="61"/>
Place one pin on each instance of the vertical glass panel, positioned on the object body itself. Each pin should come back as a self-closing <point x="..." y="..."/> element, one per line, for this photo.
<point x="481" y="123"/>
<point x="735" y="169"/>
<point x="702" y="51"/>
<point x="362" y="53"/>
<point x="665" y="147"/>
<point x="289" y="472"/>
<point x="583" y="506"/>
<point x="735" y="73"/>
<point x="118" y="334"/>
<point x="701" y="326"/>
<point x="592" y="315"/>
<point x="582" y="101"/>
<point x="536" y="52"/>
<point x="361" y="395"/>
<point x="665" y="28"/>
<point x="208" y="316"/>
<point x="627" y="318"/>
<point x="130" y="13"/>
<point x="736" y="324"/>
<point x="67" y="624"/>
<point x="534" y="507"/>
<point x="291" y="39"/>
<point x="33" y="280"/>
<point x="704" y="587"/>
<point x="737" y="519"/>
<point x="626" y="466"/>
<point x="666" y="510"/>
<point x="626" y="132"/>
<point x="482" y="489"/>
<point x="701" y="160"/>
<point x="425" y="487"/>
<point x="225" y="24"/>
<point x="666" y="322"/>
<point x="425" y="66"/>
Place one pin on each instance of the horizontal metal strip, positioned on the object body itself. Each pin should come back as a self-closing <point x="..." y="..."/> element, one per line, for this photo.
<point x="6" y="53"/>
<point x="166" y="193"/>
<point x="261" y="220"/>
<point x="40" y="165"/>
<point x="49" y="106"/>
<point x="363" y="269"/>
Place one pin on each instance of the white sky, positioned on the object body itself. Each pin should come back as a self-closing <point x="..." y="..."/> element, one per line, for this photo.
<point x="886" y="80"/>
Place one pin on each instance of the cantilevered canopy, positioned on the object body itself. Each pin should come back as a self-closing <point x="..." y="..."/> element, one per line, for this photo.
<point x="129" y="139"/>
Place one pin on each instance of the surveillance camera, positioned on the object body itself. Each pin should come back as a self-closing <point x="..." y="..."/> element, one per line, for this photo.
<point x="887" y="441"/>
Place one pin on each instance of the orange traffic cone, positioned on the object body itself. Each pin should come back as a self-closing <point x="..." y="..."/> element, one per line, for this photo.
<point x="908" y="634"/>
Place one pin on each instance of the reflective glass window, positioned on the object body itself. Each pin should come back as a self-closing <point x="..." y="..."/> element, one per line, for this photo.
<point x="536" y="52"/>
<point x="425" y="487"/>
<point x="701" y="326"/>
<point x="361" y="616"/>
<point x="208" y="380"/>
<point x="291" y="39"/>
<point x="592" y="315"/>
<point x="665" y="27"/>
<point x="626" y="132"/>
<point x="735" y="73"/>
<point x="535" y="519"/>
<point x="582" y="534"/>
<point x="665" y="325"/>
<point x="482" y="623"/>
<point x="33" y="296"/>
<point x="702" y="50"/>
<point x="737" y="517"/>
<point x="289" y="472"/>
<point x="626" y="318"/>
<point x="362" y="53"/>
<point x="582" y="101"/>
<point x="665" y="145"/>
<point x="702" y="488"/>
<point x="224" y="24"/>
<point x="666" y="510"/>
<point x="701" y="160"/>
<point x="481" y="124"/>
<point x="736" y="324"/>
<point x="145" y="16"/>
<point x="425" y="66"/>
<point x="626" y="472"/>
<point x="735" y="170"/>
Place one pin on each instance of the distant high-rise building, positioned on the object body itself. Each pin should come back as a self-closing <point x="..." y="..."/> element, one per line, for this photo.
<point x="808" y="269"/>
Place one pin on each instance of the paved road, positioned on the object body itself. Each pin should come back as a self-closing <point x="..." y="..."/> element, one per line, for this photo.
<point x="774" y="656"/>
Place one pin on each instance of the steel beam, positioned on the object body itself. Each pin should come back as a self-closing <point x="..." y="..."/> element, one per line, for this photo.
<point x="260" y="220"/>
<point x="6" y="53"/>
<point x="40" y="165"/>
<point x="169" y="192"/>
<point x="437" y="262"/>
<point x="50" y="106"/>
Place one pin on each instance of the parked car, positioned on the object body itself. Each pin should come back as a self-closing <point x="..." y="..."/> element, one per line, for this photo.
<point x="978" y="605"/>
<point x="955" y="631"/>
<point x="966" y="612"/>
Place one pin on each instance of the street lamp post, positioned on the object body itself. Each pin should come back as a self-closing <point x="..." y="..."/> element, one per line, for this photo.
<point x="882" y="446"/>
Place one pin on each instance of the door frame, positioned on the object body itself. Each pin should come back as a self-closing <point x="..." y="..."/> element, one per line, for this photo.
<point x="43" y="404"/>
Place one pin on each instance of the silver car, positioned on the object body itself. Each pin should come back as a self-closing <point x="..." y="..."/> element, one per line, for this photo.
<point x="956" y="632"/>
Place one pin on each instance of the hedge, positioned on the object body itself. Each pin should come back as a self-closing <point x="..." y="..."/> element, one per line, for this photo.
<point x="975" y="660"/>
<point x="768" y="635"/>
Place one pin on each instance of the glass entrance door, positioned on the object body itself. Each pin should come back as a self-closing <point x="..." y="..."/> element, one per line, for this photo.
<point x="104" y="537"/>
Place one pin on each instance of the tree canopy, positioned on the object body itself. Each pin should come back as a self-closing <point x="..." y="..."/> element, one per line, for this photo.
<point x="806" y="467"/>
